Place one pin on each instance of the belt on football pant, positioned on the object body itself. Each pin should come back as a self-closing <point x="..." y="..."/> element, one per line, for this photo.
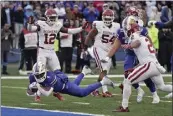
<point x="44" y="48"/>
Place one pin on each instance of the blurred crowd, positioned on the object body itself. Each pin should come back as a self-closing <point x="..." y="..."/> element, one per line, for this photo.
<point x="72" y="13"/>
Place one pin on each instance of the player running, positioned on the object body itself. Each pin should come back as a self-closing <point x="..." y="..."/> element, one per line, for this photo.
<point x="149" y="66"/>
<point x="103" y="32"/>
<point x="44" y="82"/>
<point x="130" y="57"/>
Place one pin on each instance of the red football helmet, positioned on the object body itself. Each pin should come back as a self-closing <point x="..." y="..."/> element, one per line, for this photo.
<point x="108" y="17"/>
<point x="132" y="11"/>
<point x="51" y="16"/>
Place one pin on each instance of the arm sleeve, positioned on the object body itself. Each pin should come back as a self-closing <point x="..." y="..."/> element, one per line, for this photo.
<point x="75" y="30"/>
<point x="21" y="40"/>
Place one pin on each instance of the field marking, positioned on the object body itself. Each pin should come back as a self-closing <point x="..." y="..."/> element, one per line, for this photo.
<point x="37" y="104"/>
<point x="81" y="103"/>
<point x="74" y="76"/>
<point x="80" y="113"/>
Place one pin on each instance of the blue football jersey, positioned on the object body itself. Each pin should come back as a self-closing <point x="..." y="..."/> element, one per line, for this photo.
<point x="123" y="38"/>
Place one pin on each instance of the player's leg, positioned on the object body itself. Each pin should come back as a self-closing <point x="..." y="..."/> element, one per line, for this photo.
<point x="75" y="90"/>
<point x="159" y="82"/>
<point x="104" y="68"/>
<point x="53" y="61"/>
<point x="129" y="64"/>
<point x="86" y="70"/>
<point x="149" y="83"/>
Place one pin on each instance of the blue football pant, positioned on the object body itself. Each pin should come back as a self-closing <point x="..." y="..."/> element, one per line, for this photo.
<point x="72" y="88"/>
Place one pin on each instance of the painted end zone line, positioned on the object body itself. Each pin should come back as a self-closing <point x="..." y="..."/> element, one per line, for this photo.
<point x="52" y="111"/>
<point x="74" y="76"/>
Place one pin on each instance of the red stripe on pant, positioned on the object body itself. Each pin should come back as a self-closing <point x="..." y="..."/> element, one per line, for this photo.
<point x="141" y="72"/>
<point x="97" y="59"/>
<point x="134" y="73"/>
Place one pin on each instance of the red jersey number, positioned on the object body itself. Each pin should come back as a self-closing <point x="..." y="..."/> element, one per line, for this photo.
<point x="105" y="39"/>
<point x="49" y="38"/>
<point x="150" y="46"/>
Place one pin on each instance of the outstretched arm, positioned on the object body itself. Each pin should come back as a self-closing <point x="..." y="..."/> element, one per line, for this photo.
<point x="115" y="48"/>
<point x="43" y="91"/>
<point x="91" y="35"/>
<point x="71" y="31"/>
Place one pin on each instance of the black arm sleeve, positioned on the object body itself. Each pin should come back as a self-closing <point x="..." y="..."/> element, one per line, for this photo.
<point x="169" y="24"/>
<point x="22" y="41"/>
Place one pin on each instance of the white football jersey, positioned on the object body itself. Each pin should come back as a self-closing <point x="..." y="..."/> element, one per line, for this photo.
<point x="105" y="37"/>
<point x="145" y="52"/>
<point x="47" y="34"/>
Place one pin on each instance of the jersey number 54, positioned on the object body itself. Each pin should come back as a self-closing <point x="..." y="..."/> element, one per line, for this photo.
<point x="106" y="39"/>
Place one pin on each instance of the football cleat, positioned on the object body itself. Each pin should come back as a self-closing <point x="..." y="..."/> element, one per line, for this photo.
<point x="121" y="109"/>
<point x="107" y="81"/>
<point x="37" y="99"/>
<point x="156" y="99"/>
<point x="168" y="96"/>
<point x="107" y="94"/>
<point x="86" y="70"/>
<point x="95" y="93"/>
<point x="57" y="95"/>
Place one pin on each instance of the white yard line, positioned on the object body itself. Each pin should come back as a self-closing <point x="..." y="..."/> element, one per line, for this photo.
<point x="81" y="103"/>
<point x="74" y="76"/>
<point x="37" y="104"/>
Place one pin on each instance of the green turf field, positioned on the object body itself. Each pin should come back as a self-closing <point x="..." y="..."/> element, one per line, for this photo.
<point x="13" y="93"/>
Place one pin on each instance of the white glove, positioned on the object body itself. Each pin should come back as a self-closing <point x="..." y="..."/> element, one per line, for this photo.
<point x="33" y="85"/>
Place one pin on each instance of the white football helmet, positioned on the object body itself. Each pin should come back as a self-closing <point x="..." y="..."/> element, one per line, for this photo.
<point x="108" y="17"/>
<point x="51" y="16"/>
<point x="39" y="71"/>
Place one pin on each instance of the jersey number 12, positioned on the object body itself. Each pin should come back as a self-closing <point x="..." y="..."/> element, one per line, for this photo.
<point x="49" y="38"/>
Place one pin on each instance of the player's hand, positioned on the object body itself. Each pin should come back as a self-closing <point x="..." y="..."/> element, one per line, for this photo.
<point x="85" y="25"/>
<point x="126" y="46"/>
<point x="105" y="60"/>
<point x="31" y="20"/>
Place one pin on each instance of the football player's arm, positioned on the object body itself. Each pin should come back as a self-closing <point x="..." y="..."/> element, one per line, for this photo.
<point x="43" y="91"/>
<point x="30" y="25"/>
<point x="135" y="44"/>
<point x="114" y="49"/>
<point x="91" y="35"/>
<point x="71" y="31"/>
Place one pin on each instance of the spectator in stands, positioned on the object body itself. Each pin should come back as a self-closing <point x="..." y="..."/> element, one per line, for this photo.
<point x="6" y="42"/>
<point x="28" y="12"/>
<point x="7" y="16"/>
<point x="149" y="4"/>
<point x="142" y="13"/>
<point x="37" y="12"/>
<point x="69" y="13"/>
<point x="78" y="16"/>
<point x="66" y="48"/>
<point x="165" y="47"/>
<point x="90" y="13"/>
<point x="60" y="10"/>
<point x="164" y="13"/>
<point x="18" y="24"/>
<point x="28" y="43"/>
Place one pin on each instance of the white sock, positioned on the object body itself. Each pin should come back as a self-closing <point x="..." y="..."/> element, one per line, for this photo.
<point x="104" y="88"/>
<point x="139" y="89"/>
<point x="154" y="93"/>
<point x="126" y="94"/>
<point x="102" y="82"/>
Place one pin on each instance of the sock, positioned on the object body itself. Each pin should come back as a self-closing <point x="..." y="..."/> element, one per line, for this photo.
<point x="139" y="89"/>
<point x="104" y="88"/>
<point x="135" y="85"/>
<point x="154" y="93"/>
<point x="126" y="94"/>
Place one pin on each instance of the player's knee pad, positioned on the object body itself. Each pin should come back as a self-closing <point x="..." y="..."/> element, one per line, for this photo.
<point x="127" y="72"/>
